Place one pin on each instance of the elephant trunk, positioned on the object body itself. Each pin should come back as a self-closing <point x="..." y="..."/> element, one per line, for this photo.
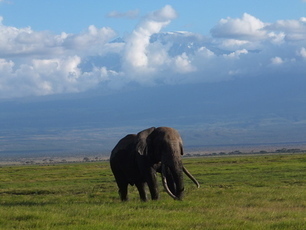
<point x="191" y="177"/>
<point x="165" y="184"/>
<point x="172" y="179"/>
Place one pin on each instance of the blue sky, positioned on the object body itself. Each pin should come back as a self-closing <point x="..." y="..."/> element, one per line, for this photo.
<point x="58" y="47"/>
<point x="195" y="16"/>
<point x="236" y="67"/>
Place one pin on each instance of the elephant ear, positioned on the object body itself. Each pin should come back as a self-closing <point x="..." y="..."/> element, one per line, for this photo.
<point x="141" y="147"/>
<point x="181" y="146"/>
<point x="182" y="150"/>
<point x="142" y="140"/>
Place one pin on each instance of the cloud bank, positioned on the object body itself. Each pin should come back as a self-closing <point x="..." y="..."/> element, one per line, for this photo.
<point x="35" y="63"/>
<point x="129" y="14"/>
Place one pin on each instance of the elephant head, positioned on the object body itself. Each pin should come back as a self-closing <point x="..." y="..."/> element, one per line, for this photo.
<point x="162" y="149"/>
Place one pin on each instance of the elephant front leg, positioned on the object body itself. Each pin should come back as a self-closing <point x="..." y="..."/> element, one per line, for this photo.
<point x="152" y="184"/>
<point x="141" y="189"/>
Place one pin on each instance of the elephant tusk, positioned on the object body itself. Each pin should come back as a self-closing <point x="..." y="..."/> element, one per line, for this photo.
<point x="191" y="177"/>
<point x="164" y="180"/>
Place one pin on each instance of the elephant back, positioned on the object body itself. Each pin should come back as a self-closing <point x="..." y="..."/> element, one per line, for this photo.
<point x="126" y="143"/>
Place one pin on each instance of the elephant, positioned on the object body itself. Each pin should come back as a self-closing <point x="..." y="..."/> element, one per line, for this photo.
<point x="136" y="159"/>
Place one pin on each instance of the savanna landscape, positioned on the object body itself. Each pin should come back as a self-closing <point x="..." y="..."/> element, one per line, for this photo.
<point x="264" y="191"/>
<point x="76" y="77"/>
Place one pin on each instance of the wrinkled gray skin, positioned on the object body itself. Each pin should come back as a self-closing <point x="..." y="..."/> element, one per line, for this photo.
<point x="136" y="159"/>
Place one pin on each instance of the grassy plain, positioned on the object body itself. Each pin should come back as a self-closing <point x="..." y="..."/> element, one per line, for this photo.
<point x="237" y="192"/>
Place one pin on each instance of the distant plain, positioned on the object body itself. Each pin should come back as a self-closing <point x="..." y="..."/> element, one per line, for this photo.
<point x="237" y="192"/>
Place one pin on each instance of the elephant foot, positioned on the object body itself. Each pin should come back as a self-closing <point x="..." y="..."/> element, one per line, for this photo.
<point x="155" y="197"/>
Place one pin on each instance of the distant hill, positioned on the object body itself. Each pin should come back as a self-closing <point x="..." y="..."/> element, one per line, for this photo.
<point x="242" y="111"/>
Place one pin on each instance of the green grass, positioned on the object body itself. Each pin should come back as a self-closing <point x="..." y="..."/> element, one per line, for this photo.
<point x="237" y="192"/>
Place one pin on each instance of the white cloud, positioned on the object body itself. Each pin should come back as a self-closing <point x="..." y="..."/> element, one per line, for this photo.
<point x="292" y="29"/>
<point x="42" y="63"/>
<point x="137" y="59"/>
<point x="91" y="39"/>
<point x="25" y="41"/>
<point x="302" y="52"/>
<point x="246" y="28"/>
<point x="249" y="31"/>
<point x="48" y="76"/>
<point x="276" y="38"/>
<point x="233" y="43"/>
<point x="276" y="61"/>
<point x="183" y="64"/>
<point x="6" y="66"/>
<point x="236" y="54"/>
<point x="165" y="14"/>
<point x="131" y="14"/>
<point x="204" y="52"/>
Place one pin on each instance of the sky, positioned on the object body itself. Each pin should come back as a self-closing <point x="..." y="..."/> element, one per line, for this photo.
<point x="230" y="52"/>
<point x="195" y="16"/>
<point x="45" y="47"/>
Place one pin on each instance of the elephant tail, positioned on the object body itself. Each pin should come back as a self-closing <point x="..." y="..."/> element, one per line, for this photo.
<point x="191" y="177"/>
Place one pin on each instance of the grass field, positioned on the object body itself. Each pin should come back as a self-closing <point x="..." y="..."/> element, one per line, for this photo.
<point x="237" y="192"/>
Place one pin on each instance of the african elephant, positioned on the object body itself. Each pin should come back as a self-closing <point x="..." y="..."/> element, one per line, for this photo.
<point x="136" y="159"/>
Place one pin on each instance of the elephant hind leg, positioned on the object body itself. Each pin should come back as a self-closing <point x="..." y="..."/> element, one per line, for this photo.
<point x="122" y="184"/>
<point x="123" y="191"/>
<point x="141" y="189"/>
